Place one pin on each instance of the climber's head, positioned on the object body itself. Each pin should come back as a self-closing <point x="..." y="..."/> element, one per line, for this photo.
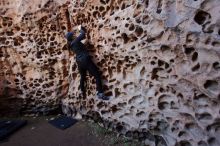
<point x="69" y="36"/>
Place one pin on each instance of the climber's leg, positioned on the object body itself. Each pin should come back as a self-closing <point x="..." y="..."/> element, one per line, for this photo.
<point x="82" y="72"/>
<point x="94" y="71"/>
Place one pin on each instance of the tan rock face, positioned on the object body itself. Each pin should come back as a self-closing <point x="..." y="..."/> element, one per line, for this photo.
<point x="160" y="63"/>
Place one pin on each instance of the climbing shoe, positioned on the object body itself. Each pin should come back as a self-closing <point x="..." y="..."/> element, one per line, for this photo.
<point x="102" y="96"/>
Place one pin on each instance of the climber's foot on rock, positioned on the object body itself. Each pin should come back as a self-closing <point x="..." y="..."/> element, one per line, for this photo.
<point x="102" y="96"/>
<point x="82" y="94"/>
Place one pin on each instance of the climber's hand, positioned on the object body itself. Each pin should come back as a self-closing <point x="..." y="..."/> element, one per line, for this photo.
<point x="79" y="27"/>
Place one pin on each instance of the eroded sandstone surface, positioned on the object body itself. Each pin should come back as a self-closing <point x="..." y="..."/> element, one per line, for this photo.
<point x="160" y="63"/>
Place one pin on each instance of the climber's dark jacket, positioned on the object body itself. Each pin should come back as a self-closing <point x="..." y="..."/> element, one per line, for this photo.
<point x="79" y="48"/>
<point x="84" y="61"/>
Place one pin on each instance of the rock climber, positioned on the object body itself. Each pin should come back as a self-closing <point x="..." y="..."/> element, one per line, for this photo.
<point x="84" y="62"/>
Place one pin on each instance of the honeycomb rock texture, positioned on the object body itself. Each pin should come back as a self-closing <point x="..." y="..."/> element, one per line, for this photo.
<point x="160" y="64"/>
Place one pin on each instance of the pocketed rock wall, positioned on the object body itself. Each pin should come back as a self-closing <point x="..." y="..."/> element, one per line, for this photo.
<point x="160" y="63"/>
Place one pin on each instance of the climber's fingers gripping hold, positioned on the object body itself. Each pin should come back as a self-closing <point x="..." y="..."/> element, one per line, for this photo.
<point x="79" y="27"/>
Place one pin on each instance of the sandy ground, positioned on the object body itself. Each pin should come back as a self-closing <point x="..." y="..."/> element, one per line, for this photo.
<point x="38" y="132"/>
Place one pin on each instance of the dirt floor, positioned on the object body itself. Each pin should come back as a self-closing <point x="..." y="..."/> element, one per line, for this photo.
<point x="38" y="132"/>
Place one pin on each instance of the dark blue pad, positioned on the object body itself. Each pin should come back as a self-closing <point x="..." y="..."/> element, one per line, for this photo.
<point x="7" y="127"/>
<point x="63" y="122"/>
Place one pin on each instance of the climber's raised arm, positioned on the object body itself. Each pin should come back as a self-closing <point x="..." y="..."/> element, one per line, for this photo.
<point x="80" y="37"/>
<point x="69" y="36"/>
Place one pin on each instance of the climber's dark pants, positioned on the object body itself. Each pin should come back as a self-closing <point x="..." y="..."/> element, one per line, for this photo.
<point x="88" y="65"/>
